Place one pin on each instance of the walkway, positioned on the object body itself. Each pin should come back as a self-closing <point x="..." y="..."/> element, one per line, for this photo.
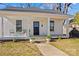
<point x="49" y="50"/>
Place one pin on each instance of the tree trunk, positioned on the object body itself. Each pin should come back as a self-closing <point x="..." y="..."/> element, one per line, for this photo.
<point x="66" y="6"/>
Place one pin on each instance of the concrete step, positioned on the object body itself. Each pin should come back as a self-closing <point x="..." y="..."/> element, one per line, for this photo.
<point x="38" y="38"/>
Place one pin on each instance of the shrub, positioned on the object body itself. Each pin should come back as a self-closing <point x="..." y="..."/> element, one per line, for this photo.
<point x="59" y="38"/>
<point x="49" y="36"/>
<point x="14" y="40"/>
<point x="74" y="33"/>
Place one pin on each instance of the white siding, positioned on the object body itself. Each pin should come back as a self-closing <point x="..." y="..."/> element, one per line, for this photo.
<point x="8" y="25"/>
<point x="27" y="24"/>
<point x="58" y="26"/>
<point x="0" y="26"/>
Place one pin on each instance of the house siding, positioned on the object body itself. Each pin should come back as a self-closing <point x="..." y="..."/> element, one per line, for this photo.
<point x="58" y="26"/>
<point x="27" y="22"/>
<point x="0" y="27"/>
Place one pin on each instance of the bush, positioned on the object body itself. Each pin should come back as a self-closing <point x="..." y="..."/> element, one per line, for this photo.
<point x="14" y="40"/>
<point x="59" y="38"/>
<point x="74" y="33"/>
<point x="49" y="36"/>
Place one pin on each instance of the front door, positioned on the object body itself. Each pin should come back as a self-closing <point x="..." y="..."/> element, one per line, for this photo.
<point x="36" y="27"/>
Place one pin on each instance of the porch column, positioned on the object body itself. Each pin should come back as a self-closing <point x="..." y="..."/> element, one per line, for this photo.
<point x="2" y="27"/>
<point x="66" y="27"/>
<point x="48" y="33"/>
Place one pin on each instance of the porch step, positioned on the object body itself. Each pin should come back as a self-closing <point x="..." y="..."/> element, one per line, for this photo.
<point x="38" y="38"/>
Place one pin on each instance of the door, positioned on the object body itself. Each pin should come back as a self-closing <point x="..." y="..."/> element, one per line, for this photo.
<point x="36" y="27"/>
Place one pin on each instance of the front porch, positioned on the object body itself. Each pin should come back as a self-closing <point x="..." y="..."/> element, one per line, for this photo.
<point x="47" y="26"/>
<point x="27" y="34"/>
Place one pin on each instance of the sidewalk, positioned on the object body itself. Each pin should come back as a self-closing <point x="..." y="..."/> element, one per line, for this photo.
<point x="49" y="50"/>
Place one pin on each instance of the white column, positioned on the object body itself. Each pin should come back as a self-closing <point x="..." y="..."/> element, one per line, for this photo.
<point x="2" y="27"/>
<point x="67" y="27"/>
<point x="48" y="33"/>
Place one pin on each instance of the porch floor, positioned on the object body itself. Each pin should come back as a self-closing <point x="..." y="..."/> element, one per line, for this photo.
<point x="38" y="37"/>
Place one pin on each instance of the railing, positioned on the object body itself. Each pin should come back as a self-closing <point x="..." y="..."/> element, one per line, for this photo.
<point x="18" y="35"/>
<point x="59" y="35"/>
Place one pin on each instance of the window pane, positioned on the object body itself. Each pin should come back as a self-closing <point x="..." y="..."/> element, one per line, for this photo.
<point x="51" y="25"/>
<point x="18" y="25"/>
<point x="36" y="24"/>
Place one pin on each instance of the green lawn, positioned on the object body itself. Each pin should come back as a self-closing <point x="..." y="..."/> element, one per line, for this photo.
<point x="21" y="48"/>
<point x="70" y="46"/>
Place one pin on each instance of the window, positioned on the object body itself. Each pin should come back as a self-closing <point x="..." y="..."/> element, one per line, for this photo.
<point x="36" y="24"/>
<point x="51" y="25"/>
<point x="18" y="25"/>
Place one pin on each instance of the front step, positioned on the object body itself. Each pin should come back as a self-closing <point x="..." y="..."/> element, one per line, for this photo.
<point x="38" y="39"/>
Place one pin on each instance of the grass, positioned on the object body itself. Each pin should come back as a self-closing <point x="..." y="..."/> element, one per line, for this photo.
<point x="69" y="46"/>
<point x="21" y="48"/>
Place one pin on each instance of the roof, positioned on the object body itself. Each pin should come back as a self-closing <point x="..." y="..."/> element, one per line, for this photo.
<point x="35" y="10"/>
<point x="32" y="9"/>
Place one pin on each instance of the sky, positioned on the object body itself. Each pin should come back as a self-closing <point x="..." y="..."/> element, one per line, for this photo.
<point x="74" y="8"/>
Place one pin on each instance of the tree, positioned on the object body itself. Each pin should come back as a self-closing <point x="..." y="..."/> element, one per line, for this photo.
<point x="57" y="7"/>
<point x="76" y="19"/>
<point x="66" y="6"/>
<point x="63" y="8"/>
<point x="28" y="5"/>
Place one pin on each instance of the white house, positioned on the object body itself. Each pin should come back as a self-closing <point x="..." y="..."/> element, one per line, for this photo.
<point x="24" y="23"/>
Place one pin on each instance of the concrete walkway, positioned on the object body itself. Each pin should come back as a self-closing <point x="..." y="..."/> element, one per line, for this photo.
<point x="49" y="50"/>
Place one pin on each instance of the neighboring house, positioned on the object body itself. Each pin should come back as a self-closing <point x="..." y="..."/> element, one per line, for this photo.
<point x="23" y="23"/>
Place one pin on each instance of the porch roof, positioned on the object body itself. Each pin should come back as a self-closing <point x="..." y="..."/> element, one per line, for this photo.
<point x="32" y="9"/>
<point x="49" y="13"/>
